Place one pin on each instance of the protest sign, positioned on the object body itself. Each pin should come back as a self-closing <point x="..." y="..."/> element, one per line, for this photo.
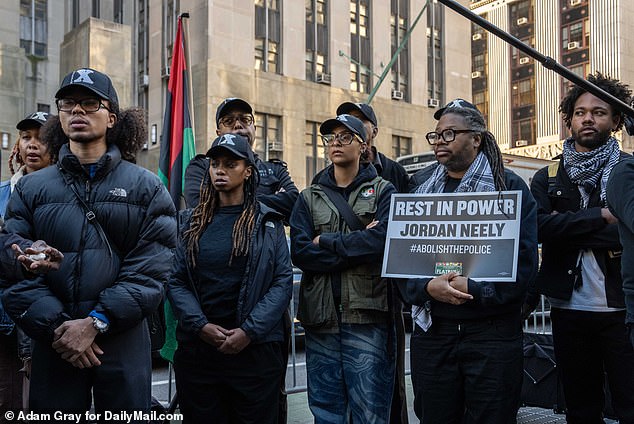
<point x="473" y="234"/>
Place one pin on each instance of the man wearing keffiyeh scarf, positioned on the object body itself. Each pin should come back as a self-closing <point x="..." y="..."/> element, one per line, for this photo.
<point x="466" y="328"/>
<point x="581" y="258"/>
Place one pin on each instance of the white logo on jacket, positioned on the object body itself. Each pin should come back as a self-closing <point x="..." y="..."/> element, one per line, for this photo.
<point x="119" y="192"/>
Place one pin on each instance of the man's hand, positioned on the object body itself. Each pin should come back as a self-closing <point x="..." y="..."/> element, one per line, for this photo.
<point x="214" y="334"/>
<point x="39" y="258"/>
<point x="372" y="224"/>
<point x="74" y="337"/>
<point x="608" y="217"/>
<point x="440" y="289"/>
<point x="88" y="359"/>
<point x="235" y="342"/>
<point x="460" y="283"/>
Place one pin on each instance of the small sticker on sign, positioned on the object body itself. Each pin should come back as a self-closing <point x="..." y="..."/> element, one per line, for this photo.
<point x="447" y="267"/>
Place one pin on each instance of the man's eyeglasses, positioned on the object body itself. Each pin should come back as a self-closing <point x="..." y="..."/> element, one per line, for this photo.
<point x="229" y="121"/>
<point x="344" y="138"/>
<point x="447" y="135"/>
<point x="89" y="105"/>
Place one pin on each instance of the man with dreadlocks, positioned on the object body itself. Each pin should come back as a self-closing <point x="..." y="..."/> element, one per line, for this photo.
<point x="114" y="222"/>
<point x="581" y="258"/>
<point x="231" y="285"/>
<point x="466" y="348"/>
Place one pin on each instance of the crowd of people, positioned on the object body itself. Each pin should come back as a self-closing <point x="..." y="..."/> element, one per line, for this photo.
<point x="91" y="244"/>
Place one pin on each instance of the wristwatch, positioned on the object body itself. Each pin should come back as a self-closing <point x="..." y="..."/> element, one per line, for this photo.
<point x="99" y="325"/>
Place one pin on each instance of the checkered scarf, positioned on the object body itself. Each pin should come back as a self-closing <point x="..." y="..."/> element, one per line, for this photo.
<point x="479" y="177"/>
<point x="586" y="169"/>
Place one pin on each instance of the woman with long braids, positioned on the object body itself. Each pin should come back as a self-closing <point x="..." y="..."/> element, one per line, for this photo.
<point x="231" y="284"/>
<point x="466" y="347"/>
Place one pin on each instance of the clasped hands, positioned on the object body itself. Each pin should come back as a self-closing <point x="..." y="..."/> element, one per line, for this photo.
<point x="450" y="288"/>
<point x="226" y="341"/>
<point x="74" y="340"/>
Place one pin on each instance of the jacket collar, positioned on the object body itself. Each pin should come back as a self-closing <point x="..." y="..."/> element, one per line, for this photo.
<point x="69" y="163"/>
<point x="367" y="172"/>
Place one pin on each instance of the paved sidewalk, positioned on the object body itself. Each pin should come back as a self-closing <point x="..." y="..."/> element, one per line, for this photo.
<point x="298" y="412"/>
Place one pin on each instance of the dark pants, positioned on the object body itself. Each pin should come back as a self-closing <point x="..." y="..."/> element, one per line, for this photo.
<point x="468" y="372"/>
<point x="588" y="345"/>
<point x="123" y="381"/>
<point x="229" y="389"/>
<point x="286" y="345"/>
<point x="398" y="412"/>
<point x="10" y="376"/>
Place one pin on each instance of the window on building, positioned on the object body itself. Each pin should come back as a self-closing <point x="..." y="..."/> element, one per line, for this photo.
<point x="6" y="140"/>
<point x="34" y="27"/>
<point x="267" y="35"/>
<point x="316" y="158"/>
<point x="524" y="92"/>
<point x="118" y="11"/>
<point x="268" y="136"/>
<point x="435" y="68"/>
<point x="317" y="40"/>
<point x="95" y="9"/>
<point x="399" y="23"/>
<point x="521" y="9"/>
<point x="401" y="146"/>
<point x="478" y="62"/>
<point x="75" y="13"/>
<point x="360" y="45"/>
<point x="142" y="53"/>
<point x="523" y="132"/>
<point x="170" y="24"/>
<point x="481" y="101"/>
<point x="43" y="107"/>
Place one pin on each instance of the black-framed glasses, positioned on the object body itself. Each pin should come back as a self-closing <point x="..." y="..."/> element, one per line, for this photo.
<point x="447" y="135"/>
<point x="344" y="138"/>
<point x="229" y="121"/>
<point x="89" y="105"/>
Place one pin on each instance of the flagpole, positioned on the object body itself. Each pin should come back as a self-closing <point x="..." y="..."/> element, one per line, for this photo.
<point x="185" y="21"/>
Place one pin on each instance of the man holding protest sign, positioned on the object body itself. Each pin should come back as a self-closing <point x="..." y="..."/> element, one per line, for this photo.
<point x="466" y="349"/>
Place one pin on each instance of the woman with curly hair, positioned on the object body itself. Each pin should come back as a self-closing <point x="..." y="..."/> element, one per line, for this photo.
<point x="231" y="285"/>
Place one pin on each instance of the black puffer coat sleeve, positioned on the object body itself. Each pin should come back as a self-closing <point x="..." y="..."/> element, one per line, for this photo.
<point x="180" y="291"/>
<point x="145" y="269"/>
<point x="30" y="302"/>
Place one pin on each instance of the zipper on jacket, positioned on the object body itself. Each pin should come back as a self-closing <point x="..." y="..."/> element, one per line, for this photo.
<point x="79" y="251"/>
<point x="87" y="192"/>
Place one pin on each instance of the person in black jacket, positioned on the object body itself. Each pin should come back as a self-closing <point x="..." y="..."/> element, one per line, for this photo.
<point x="276" y="189"/>
<point x="581" y="258"/>
<point x="466" y="349"/>
<point x="393" y="172"/>
<point x="231" y="285"/>
<point x="115" y="224"/>
<point x="620" y="197"/>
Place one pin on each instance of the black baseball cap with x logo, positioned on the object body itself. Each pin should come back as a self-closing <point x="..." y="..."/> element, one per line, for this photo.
<point x="97" y="82"/>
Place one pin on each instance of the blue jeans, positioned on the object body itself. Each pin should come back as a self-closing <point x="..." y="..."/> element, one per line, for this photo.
<point x="351" y="373"/>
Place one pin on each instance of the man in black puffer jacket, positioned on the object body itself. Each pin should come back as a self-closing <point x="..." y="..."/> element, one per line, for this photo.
<point x="115" y="224"/>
